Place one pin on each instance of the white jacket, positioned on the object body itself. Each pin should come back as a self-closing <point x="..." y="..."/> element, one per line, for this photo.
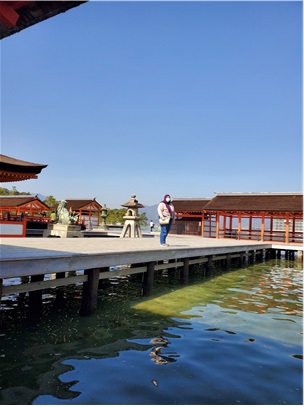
<point x="163" y="211"/>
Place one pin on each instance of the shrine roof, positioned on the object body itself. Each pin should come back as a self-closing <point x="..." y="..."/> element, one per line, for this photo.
<point x="19" y="200"/>
<point x="18" y="15"/>
<point x="257" y="201"/>
<point x="13" y="169"/>
<point x="77" y="204"/>
<point x="190" y="204"/>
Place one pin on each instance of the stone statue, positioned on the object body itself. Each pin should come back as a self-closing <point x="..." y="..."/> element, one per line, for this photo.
<point x="64" y="216"/>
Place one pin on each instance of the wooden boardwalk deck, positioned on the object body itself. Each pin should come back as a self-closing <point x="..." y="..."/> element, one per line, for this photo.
<point x="36" y="257"/>
<point x="32" y="256"/>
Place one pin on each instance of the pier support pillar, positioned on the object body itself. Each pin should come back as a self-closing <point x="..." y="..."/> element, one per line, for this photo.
<point x="300" y="255"/>
<point x="267" y="254"/>
<point x="1" y="285"/>
<point x="209" y="264"/>
<point x="148" y="278"/>
<point x="35" y="297"/>
<point x="251" y="257"/>
<point x="273" y="253"/>
<point x="245" y="259"/>
<point x="228" y="262"/>
<point x="184" y="276"/>
<point x="89" y="292"/>
<point x="240" y="260"/>
<point x="258" y="255"/>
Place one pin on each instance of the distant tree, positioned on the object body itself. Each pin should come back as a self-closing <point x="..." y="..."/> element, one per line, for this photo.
<point x="4" y="191"/>
<point x="51" y="201"/>
<point x="143" y="220"/>
<point x="116" y="216"/>
<point x="13" y="191"/>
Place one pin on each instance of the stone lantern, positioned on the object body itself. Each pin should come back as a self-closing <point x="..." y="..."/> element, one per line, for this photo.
<point x="104" y="214"/>
<point x="131" y="227"/>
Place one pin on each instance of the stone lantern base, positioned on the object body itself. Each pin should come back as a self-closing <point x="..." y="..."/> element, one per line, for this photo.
<point x="131" y="227"/>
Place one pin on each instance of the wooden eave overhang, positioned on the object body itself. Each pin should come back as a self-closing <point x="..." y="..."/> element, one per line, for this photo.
<point x="9" y="176"/>
<point x="12" y="169"/>
<point x="190" y="205"/>
<point x="84" y="205"/>
<point x="257" y="203"/>
<point x="18" y="15"/>
<point x="26" y="202"/>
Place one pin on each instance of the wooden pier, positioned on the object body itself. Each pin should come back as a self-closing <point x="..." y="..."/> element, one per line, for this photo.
<point x="33" y="258"/>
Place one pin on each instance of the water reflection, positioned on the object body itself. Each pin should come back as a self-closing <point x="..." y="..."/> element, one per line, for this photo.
<point x="255" y="289"/>
<point x="157" y="353"/>
<point x="226" y="340"/>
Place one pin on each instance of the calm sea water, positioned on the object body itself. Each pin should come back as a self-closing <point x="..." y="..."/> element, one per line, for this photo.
<point x="232" y="338"/>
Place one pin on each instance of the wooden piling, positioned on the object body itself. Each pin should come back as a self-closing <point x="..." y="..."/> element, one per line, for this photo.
<point x="228" y="262"/>
<point x="250" y="257"/>
<point x="184" y="274"/>
<point x="300" y="255"/>
<point x="273" y="253"/>
<point x="35" y="297"/>
<point x="209" y="264"/>
<point x="258" y="255"/>
<point x="242" y="259"/>
<point x="148" y="278"/>
<point x="89" y="292"/>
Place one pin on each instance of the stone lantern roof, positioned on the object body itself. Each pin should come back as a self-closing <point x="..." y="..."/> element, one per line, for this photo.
<point x="133" y="203"/>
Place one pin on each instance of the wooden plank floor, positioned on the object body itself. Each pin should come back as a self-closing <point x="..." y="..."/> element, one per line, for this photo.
<point x="32" y="256"/>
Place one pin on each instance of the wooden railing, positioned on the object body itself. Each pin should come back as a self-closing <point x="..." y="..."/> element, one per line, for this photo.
<point x="269" y="236"/>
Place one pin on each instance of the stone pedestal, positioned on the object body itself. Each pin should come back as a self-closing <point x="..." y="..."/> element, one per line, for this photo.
<point x="131" y="227"/>
<point x="59" y="230"/>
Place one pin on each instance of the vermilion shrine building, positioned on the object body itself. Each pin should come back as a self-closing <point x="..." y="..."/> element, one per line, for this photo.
<point x="19" y="206"/>
<point x="252" y="216"/>
<point x="31" y="209"/>
<point x="88" y="210"/>
<point x="15" y="209"/>
<point x="20" y="209"/>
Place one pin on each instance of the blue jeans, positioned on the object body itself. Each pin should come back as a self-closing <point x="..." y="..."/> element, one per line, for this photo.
<point x="164" y="231"/>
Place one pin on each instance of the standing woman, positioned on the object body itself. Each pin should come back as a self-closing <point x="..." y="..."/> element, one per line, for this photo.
<point x="166" y="214"/>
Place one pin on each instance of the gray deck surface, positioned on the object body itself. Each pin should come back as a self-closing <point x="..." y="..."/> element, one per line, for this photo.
<point x="30" y="256"/>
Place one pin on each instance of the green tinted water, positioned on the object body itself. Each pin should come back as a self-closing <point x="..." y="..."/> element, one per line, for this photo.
<point x="234" y="338"/>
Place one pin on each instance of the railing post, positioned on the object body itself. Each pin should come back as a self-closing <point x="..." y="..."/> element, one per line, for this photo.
<point x="89" y="292"/>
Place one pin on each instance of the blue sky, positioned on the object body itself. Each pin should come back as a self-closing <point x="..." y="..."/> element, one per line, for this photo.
<point x="149" y="98"/>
